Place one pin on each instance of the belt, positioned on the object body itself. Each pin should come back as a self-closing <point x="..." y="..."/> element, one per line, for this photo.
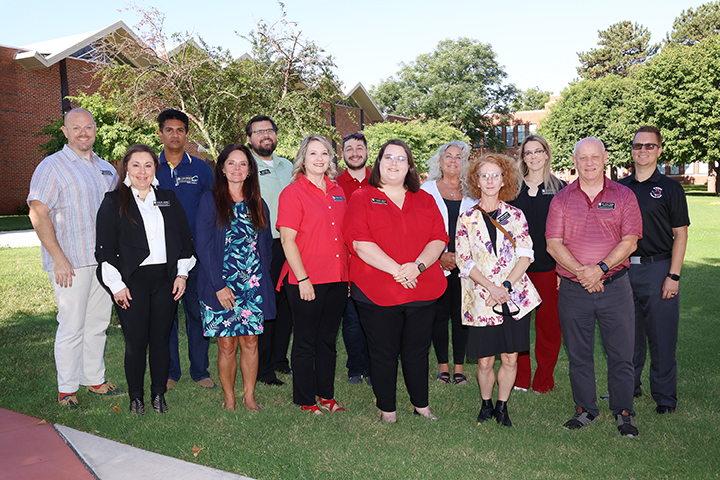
<point x="637" y="260"/>
<point x="615" y="276"/>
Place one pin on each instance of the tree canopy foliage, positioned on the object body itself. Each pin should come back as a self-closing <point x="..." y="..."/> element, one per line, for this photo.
<point x="622" y="46"/>
<point x="459" y="82"/>
<point x="288" y="78"/>
<point x="115" y="132"/>
<point x="423" y="137"/>
<point x="531" y="99"/>
<point x="694" y="25"/>
<point x="589" y="108"/>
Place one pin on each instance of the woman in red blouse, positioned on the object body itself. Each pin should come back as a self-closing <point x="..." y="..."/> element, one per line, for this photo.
<point x="396" y="234"/>
<point x="315" y="274"/>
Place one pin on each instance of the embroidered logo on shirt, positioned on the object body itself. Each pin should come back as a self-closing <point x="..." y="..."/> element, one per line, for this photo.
<point x="161" y="203"/>
<point x="656" y="192"/>
<point x="378" y="201"/>
<point x="502" y="219"/>
<point x="606" y="206"/>
<point x="190" y="180"/>
<point x="264" y="172"/>
<point x="338" y="198"/>
<point x="106" y="172"/>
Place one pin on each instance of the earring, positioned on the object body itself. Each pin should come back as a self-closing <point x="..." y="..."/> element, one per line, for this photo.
<point x="155" y="182"/>
<point x="127" y="180"/>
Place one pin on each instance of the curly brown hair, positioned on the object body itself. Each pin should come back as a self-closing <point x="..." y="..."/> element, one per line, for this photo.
<point x="511" y="176"/>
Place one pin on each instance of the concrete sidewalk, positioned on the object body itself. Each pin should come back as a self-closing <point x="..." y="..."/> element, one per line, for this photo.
<point x="18" y="239"/>
<point x="32" y="449"/>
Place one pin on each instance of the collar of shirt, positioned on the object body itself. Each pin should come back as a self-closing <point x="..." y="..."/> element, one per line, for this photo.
<point x="186" y="156"/>
<point x="72" y="156"/>
<point x="654" y="178"/>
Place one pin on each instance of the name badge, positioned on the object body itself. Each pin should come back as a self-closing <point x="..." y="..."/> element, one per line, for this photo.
<point x="378" y="201"/>
<point x="188" y="180"/>
<point x="264" y="172"/>
<point x="547" y="191"/>
<point x="106" y="172"/>
<point x="161" y="203"/>
<point x="606" y="206"/>
<point x="503" y="218"/>
<point x="338" y="198"/>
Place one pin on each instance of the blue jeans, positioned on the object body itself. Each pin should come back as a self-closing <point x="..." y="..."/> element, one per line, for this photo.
<point x="197" y="343"/>
<point x="358" y="362"/>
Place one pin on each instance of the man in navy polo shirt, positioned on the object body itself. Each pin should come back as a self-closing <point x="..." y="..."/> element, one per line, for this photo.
<point x="655" y="268"/>
<point x="189" y="177"/>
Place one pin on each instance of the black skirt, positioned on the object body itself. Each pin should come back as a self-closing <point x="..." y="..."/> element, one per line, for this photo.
<point x="509" y="337"/>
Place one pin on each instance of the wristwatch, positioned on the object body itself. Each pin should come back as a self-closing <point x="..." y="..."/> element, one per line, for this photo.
<point x="604" y="267"/>
<point x="421" y="266"/>
<point x="674" y="276"/>
<point x="507" y="285"/>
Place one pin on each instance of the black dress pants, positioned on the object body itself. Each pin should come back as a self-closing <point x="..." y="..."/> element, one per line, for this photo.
<point x="147" y="322"/>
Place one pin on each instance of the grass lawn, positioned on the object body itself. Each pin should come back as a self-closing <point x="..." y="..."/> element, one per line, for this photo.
<point x="280" y="442"/>
<point x="9" y="223"/>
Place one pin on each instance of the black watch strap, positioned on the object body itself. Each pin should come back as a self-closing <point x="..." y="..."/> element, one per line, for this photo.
<point x="674" y="276"/>
<point x="507" y="285"/>
<point x="604" y="267"/>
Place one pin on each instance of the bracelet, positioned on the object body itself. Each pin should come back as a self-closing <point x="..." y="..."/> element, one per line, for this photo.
<point x="306" y="278"/>
<point x="184" y="277"/>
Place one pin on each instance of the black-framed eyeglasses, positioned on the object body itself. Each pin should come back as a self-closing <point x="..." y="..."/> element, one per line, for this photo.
<point x="268" y="131"/>
<point x="647" y="146"/>
<point x="505" y="309"/>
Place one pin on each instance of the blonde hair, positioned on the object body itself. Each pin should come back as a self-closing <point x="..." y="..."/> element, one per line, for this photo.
<point x="299" y="165"/>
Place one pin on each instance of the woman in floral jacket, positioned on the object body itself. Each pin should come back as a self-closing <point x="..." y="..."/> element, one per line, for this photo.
<point x="494" y="250"/>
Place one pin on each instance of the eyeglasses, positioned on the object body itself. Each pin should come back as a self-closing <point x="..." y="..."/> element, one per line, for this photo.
<point x="505" y="309"/>
<point x="354" y="135"/>
<point x="534" y="154"/>
<point x="487" y="176"/>
<point x="269" y="131"/>
<point x="393" y="159"/>
<point x="647" y="146"/>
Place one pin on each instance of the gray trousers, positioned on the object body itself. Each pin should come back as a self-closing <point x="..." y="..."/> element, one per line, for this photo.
<point x="656" y="325"/>
<point x="615" y="314"/>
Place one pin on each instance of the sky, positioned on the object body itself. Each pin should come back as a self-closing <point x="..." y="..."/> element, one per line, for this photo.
<point x="536" y="42"/>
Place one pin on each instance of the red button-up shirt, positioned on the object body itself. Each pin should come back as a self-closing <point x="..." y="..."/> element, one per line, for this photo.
<point x="592" y="229"/>
<point x="349" y="184"/>
<point x="402" y="235"/>
<point x="317" y="218"/>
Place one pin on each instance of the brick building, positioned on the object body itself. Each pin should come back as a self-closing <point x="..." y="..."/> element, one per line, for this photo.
<point x="35" y="79"/>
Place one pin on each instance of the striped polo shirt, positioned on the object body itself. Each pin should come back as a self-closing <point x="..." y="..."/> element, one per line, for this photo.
<point x="592" y="229"/>
<point x="72" y="188"/>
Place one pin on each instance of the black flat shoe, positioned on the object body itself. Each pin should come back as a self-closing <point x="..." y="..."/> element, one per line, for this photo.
<point x="501" y="414"/>
<point x="137" y="405"/>
<point x="158" y="403"/>
<point x="275" y="382"/>
<point x="486" y="411"/>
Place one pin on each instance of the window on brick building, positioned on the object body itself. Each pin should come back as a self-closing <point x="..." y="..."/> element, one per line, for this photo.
<point x="521" y="133"/>
<point x="533" y="128"/>
<point x="510" y="136"/>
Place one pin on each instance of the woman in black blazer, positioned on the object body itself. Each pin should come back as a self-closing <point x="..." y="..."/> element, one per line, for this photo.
<point x="144" y="252"/>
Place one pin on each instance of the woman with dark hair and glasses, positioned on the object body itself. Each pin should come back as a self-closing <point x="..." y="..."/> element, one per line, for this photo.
<point x="494" y="250"/>
<point x="234" y="246"/>
<point x="144" y="251"/>
<point x="537" y="190"/>
<point x="396" y="234"/>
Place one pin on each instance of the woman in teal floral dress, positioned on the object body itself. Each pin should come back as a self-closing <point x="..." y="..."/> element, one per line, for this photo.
<point x="234" y="248"/>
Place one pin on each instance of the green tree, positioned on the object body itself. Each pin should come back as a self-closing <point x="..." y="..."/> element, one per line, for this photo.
<point x="694" y="25"/>
<point x="679" y="92"/>
<point x="460" y="82"/>
<point x="531" y="99"/>
<point x="115" y="132"/>
<point x="423" y="137"/>
<point x="289" y="78"/>
<point x="590" y="108"/>
<point x="622" y="46"/>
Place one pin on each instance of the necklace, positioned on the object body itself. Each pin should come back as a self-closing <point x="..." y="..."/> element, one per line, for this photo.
<point x="451" y="190"/>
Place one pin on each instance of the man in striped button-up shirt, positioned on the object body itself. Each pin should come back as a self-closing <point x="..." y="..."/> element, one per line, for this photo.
<point x="65" y="193"/>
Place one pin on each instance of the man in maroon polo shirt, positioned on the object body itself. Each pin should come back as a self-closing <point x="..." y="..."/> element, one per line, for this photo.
<point x="355" y="176"/>
<point x="592" y="228"/>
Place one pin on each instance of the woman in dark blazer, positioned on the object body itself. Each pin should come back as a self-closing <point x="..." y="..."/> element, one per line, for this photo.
<point x="144" y="251"/>
<point x="234" y="246"/>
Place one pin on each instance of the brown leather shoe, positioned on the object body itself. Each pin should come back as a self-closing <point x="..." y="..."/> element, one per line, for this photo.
<point x="171" y="383"/>
<point x="206" y="382"/>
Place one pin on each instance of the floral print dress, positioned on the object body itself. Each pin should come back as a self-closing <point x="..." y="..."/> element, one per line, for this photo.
<point x="242" y="273"/>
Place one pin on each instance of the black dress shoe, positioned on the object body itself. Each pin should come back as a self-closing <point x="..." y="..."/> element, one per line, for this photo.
<point x="660" y="409"/>
<point x="501" y="414"/>
<point x="274" y="381"/>
<point x="158" y="403"/>
<point x="137" y="405"/>
<point x="486" y="411"/>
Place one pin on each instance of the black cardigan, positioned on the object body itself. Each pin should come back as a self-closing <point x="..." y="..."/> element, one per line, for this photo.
<point x="123" y="244"/>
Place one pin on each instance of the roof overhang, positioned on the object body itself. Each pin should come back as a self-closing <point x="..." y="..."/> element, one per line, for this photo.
<point x="362" y="97"/>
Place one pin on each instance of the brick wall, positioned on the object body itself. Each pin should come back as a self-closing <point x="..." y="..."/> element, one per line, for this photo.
<point x="28" y="99"/>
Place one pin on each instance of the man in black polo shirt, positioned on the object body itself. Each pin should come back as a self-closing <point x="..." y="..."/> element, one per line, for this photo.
<point x="655" y="268"/>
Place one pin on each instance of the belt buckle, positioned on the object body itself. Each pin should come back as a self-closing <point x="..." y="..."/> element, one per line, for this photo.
<point x="636" y="260"/>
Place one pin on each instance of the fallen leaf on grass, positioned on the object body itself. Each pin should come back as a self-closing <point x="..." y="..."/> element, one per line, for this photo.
<point x="42" y="422"/>
<point x="117" y="409"/>
<point x="196" y="450"/>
